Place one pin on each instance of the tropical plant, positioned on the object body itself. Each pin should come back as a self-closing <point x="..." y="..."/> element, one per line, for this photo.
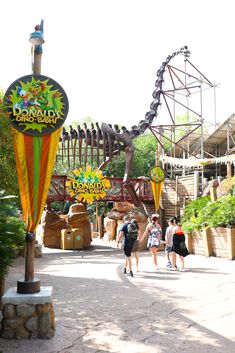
<point x="220" y="213"/>
<point x="103" y="208"/>
<point x="8" y="180"/>
<point x="192" y="219"/>
<point x="12" y="232"/>
<point x="144" y="158"/>
<point x="202" y="213"/>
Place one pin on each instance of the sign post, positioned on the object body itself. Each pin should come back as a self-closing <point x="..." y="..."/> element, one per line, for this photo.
<point x="37" y="107"/>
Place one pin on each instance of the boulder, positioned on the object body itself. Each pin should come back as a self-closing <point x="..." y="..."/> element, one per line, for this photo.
<point x="138" y="214"/>
<point x="110" y="227"/>
<point x="113" y="214"/>
<point x="80" y="220"/>
<point x="211" y="184"/>
<point x="225" y="186"/>
<point x="77" y="207"/>
<point x="123" y="207"/>
<point x="52" y="224"/>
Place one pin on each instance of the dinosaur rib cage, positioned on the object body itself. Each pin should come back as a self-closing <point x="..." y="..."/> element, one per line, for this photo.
<point x="90" y="146"/>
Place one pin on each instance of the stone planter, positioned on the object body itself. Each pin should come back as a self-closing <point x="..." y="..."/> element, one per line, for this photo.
<point x="28" y="315"/>
<point x="218" y="242"/>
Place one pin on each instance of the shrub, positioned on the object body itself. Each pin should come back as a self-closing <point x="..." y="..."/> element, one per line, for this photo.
<point x="12" y="232"/>
<point x="202" y="213"/>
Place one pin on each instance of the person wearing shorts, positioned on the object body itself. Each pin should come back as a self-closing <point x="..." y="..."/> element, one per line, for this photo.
<point x="170" y="230"/>
<point x="135" y="252"/>
<point x="154" y="233"/>
<point x="127" y="246"/>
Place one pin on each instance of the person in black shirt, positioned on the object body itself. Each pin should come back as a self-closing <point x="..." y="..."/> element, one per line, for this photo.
<point x="127" y="245"/>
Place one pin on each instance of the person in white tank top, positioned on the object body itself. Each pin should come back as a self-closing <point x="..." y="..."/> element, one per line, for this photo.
<point x="154" y="232"/>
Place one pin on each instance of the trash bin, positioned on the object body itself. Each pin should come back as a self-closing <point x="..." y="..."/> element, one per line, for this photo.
<point x="66" y="241"/>
<point x="77" y="238"/>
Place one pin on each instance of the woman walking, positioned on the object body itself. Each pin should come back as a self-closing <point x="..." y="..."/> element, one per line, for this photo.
<point x="154" y="232"/>
<point x="178" y="247"/>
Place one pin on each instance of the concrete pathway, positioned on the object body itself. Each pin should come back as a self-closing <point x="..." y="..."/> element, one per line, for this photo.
<point x="99" y="309"/>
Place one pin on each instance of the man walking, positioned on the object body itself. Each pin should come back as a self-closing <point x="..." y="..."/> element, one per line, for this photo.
<point x="128" y="244"/>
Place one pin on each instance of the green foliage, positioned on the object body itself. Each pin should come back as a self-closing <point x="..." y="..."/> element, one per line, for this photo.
<point x="193" y="208"/>
<point x="192" y="218"/>
<point x="203" y="213"/>
<point x="144" y="158"/>
<point x="103" y="208"/>
<point x="220" y="213"/>
<point x="8" y="180"/>
<point x="61" y="168"/>
<point x="232" y="190"/>
<point x="57" y="206"/>
<point x="12" y="232"/>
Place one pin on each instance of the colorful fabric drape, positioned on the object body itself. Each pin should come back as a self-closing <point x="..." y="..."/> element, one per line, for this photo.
<point x="35" y="157"/>
<point x="157" y="190"/>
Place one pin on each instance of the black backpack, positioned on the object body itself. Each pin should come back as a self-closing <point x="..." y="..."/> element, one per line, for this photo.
<point x="132" y="231"/>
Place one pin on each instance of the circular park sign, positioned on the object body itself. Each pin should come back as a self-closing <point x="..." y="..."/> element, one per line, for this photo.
<point x="156" y="174"/>
<point x="36" y="104"/>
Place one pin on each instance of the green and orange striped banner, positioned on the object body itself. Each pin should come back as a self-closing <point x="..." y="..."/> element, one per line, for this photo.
<point x="35" y="157"/>
<point x="157" y="191"/>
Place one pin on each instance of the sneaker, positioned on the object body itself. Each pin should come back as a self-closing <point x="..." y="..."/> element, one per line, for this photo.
<point x="173" y="268"/>
<point x="131" y="274"/>
<point x="169" y="265"/>
<point x="124" y="271"/>
<point x="182" y="269"/>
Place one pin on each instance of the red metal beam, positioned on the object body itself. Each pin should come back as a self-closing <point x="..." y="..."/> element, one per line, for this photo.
<point x="116" y="193"/>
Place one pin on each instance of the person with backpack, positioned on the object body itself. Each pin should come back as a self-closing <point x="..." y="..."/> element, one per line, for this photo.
<point x="136" y="246"/>
<point x="129" y="233"/>
<point x="154" y="233"/>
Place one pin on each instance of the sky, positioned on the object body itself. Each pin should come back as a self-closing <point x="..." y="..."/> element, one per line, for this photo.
<point x="105" y="53"/>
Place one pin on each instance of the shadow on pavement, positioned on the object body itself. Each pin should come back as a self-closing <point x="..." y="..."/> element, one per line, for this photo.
<point x="98" y="309"/>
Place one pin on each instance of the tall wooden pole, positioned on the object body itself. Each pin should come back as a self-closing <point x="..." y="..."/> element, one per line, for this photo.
<point x="30" y="237"/>
<point x="37" y="62"/>
<point x="31" y="285"/>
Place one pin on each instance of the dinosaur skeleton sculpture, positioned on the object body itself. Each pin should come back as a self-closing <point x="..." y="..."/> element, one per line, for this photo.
<point x="101" y="143"/>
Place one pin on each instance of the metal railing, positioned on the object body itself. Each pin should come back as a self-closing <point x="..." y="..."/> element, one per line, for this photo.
<point x="116" y="193"/>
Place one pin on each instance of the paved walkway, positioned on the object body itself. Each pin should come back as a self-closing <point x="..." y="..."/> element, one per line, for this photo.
<point x="99" y="309"/>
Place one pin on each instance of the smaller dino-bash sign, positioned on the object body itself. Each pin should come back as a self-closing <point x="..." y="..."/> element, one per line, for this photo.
<point x="87" y="184"/>
<point x="37" y="105"/>
<point x="156" y="174"/>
